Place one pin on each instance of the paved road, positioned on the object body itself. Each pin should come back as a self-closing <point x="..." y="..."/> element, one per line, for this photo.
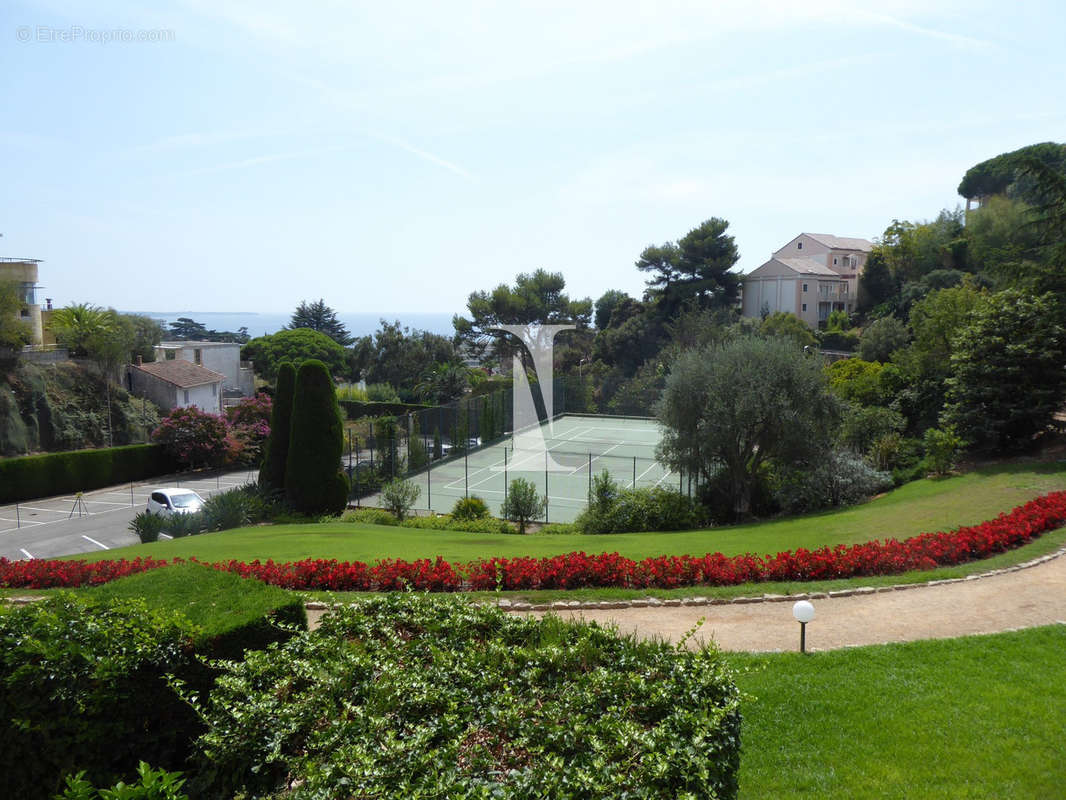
<point x="59" y="526"/>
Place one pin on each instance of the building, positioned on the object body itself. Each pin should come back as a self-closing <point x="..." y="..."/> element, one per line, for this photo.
<point x="177" y="384"/>
<point x="812" y="276"/>
<point x="23" y="272"/>
<point x="222" y="357"/>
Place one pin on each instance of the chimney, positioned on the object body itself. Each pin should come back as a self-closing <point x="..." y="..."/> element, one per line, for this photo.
<point x="140" y="361"/>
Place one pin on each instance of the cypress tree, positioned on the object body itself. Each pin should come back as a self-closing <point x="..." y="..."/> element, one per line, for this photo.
<point x="276" y="452"/>
<point x="315" y="483"/>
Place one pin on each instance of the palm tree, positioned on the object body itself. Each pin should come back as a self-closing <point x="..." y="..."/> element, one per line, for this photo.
<point x="443" y="383"/>
<point x="75" y="325"/>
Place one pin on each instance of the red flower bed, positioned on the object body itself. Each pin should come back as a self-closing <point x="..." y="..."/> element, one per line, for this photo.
<point x="575" y="570"/>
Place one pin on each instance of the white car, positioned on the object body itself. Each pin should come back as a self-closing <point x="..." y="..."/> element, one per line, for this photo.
<point x="164" y="502"/>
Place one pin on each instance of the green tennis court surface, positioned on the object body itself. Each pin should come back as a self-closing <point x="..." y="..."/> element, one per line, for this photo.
<point x="557" y="458"/>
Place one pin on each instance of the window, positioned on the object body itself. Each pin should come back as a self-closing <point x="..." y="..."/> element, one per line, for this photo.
<point x="799" y="245"/>
<point x="834" y="261"/>
<point x="186" y="397"/>
<point x="804" y="287"/>
<point x="171" y="355"/>
<point x="198" y="356"/>
<point x="805" y="307"/>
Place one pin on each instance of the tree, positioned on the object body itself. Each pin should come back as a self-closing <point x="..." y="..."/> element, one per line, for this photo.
<point x="187" y="330"/>
<point x="147" y="333"/>
<point x="1007" y="173"/>
<point x="736" y="407"/>
<point x="399" y="496"/>
<point x="536" y="298"/>
<point x="193" y="437"/>
<point x="14" y="333"/>
<point x="319" y="317"/>
<point x="400" y="356"/>
<point x="1008" y="371"/>
<point x="443" y="383"/>
<point x="314" y="480"/>
<point x="296" y="346"/>
<point x="876" y="284"/>
<point x="276" y="451"/>
<point x="76" y="324"/>
<point x="882" y="338"/>
<point x="523" y="504"/>
<point x="607" y="303"/>
<point x="694" y="270"/>
<point x="785" y="325"/>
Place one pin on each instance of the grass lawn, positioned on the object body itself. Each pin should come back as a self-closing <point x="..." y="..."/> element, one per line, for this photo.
<point x="976" y="717"/>
<point x="925" y="505"/>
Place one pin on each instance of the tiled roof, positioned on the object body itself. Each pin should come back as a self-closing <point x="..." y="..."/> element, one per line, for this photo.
<point x="841" y="242"/>
<point x="183" y="374"/>
<point x="807" y="266"/>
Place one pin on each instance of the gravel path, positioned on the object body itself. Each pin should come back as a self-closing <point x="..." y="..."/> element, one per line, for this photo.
<point x="1021" y="599"/>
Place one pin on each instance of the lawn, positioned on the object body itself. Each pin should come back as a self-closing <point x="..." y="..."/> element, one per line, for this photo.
<point x="976" y="717"/>
<point x="925" y="505"/>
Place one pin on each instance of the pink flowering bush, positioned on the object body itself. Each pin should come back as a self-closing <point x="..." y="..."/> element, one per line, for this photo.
<point x="198" y="439"/>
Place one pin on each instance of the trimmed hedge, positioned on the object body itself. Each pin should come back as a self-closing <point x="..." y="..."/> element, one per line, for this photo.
<point x="357" y="409"/>
<point x="83" y="681"/>
<point x="314" y="480"/>
<point x="276" y="451"/>
<point x="31" y="477"/>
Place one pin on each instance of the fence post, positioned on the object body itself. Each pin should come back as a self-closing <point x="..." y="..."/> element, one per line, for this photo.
<point x="357" y="498"/>
<point x="429" y="484"/>
<point x="370" y="442"/>
<point x="546" y="493"/>
<point x="504" y="477"/>
<point x="466" y="471"/>
<point x="18" y="518"/>
<point x="634" y="486"/>
<point x="590" y="478"/>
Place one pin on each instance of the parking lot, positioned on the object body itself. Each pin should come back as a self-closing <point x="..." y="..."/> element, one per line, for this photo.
<point x="93" y="521"/>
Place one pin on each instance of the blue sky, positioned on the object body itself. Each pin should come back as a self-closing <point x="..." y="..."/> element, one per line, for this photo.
<point x="393" y="157"/>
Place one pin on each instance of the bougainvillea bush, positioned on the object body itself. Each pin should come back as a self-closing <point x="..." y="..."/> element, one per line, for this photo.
<point x="406" y="696"/>
<point x="579" y="570"/>
<point x="196" y="438"/>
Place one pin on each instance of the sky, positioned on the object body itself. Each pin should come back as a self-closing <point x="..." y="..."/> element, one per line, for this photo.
<point x="244" y="155"/>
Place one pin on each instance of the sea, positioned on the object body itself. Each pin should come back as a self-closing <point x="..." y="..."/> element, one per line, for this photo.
<point x="262" y="324"/>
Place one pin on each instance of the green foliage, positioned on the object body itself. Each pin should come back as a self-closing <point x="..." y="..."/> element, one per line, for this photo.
<point x="147" y="526"/>
<point x="193" y="438"/>
<point x="861" y="426"/>
<point x="225" y="510"/>
<point x="276" y="450"/>
<point x="472" y="507"/>
<point x="637" y="396"/>
<point x="178" y="525"/>
<point x="787" y="326"/>
<point x="295" y="346"/>
<point x="1008" y="376"/>
<point x="381" y="393"/>
<point x="838" y="321"/>
<point x="79" y="471"/>
<point x="1007" y="174"/>
<point x="942" y="448"/>
<point x="317" y="316"/>
<point x="736" y="406"/>
<point x="844" y="341"/>
<point x="151" y="785"/>
<point x="858" y="381"/>
<point x="369" y="516"/>
<point x="882" y="338"/>
<point x="314" y="481"/>
<point x="838" y="479"/>
<point x="14" y="333"/>
<point x="82" y="687"/>
<point x="387" y="692"/>
<point x="696" y="270"/>
<point x="447" y="522"/>
<point x="398" y="496"/>
<point x="523" y="504"/>
<point x="443" y="383"/>
<point x="417" y="454"/>
<point x="876" y="284"/>
<point x="186" y="329"/>
<point x="643" y="509"/>
<point x="607" y="303"/>
<point x="398" y="356"/>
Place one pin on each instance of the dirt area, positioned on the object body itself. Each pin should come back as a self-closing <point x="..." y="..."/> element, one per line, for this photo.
<point x="1021" y="599"/>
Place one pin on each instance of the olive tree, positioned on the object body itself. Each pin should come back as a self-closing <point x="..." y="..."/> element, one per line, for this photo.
<point x="731" y="409"/>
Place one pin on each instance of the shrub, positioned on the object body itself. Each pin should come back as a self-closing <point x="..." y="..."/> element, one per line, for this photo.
<point x="249" y="428"/>
<point x="499" y="707"/>
<point x="147" y="526"/>
<point x="193" y="437"/>
<point x="381" y="393"/>
<point x="942" y="447"/>
<point x="276" y="449"/>
<point x="314" y="481"/>
<point x="448" y="523"/>
<point x="151" y="785"/>
<point x="560" y="528"/>
<point x="644" y="509"/>
<point x="179" y="525"/>
<point x="82" y="687"/>
<point x="398" y="496"/>
<point x="226" y="510"/>
<point x="523" y="504"/>
<point x="31" y="477"/>
<point x="369" y="516"/>
<point x="840" y="479"/>
<point x="472" y="507"/>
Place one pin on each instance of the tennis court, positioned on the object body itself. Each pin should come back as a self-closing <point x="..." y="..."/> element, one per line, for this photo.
<point x="558" y="458"/>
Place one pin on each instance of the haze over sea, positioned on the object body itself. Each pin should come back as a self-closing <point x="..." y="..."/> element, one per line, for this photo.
<point x="261" y="324"/>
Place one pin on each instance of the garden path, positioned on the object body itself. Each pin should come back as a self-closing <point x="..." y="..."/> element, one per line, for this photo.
<point x="1021" y="599"/>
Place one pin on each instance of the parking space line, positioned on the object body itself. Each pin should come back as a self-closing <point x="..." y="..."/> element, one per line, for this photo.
<point x="165" y="536"/>
<point x="98" y="544"/>
<point x="49" y="510"/>
<point x="26" y="553"/>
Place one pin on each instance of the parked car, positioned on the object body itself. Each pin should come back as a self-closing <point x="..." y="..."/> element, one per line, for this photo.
<point x="164" y="502"/>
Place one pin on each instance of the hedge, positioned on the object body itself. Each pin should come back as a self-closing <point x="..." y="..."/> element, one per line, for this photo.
<point x="31" y="477"/>
<point x="578" y="570"/>
<point x="83" y="679"/>
<point x="314" y="481"/>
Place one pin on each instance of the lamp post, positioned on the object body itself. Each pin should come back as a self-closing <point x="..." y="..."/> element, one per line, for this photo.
<point x="803" y="611"/>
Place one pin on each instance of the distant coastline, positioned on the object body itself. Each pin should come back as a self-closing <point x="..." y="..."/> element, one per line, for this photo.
<point x="358" y="324"/>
